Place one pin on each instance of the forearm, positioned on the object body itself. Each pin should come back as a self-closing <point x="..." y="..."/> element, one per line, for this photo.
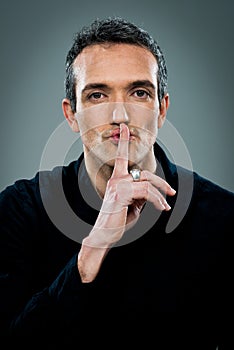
<point x="108" y="229"/>
<point x="89" y="261"/>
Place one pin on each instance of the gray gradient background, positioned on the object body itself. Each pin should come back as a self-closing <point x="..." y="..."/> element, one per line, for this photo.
<point x="197" y="40"/>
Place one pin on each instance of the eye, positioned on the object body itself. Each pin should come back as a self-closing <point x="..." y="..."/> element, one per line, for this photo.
<point x="96" y="96"/>
<point x="141" y="93"/>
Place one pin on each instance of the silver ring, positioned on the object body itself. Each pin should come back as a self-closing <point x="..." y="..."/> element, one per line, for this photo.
<point x="136" y="174"/>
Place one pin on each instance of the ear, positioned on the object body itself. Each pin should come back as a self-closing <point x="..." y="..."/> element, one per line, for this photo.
<point x="165" y="102"/>
<point x="70" y="115"/>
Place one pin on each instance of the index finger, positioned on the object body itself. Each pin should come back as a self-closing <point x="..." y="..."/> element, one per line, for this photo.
<point x="121" y="160"/>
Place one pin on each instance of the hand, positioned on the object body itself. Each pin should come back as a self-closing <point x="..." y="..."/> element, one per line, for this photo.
<point x="124" y="198"/>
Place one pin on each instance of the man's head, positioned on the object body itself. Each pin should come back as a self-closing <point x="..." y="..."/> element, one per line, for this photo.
<point x="112" y="30"/>
<point x="116" y="74"/>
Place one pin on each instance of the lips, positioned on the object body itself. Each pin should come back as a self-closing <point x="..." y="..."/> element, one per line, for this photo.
<point x="113" y="135"/>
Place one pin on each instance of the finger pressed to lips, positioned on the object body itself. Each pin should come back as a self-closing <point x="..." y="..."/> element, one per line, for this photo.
<point x="121" y="160"/>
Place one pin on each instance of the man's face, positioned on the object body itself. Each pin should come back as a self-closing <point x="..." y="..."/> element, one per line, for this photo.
<point x="117" y="83"/>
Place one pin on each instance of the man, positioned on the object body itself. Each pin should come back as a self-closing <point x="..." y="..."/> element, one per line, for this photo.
<point x="119" y="272"/>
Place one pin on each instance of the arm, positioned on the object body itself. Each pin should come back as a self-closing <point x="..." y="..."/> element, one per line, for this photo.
<point x="29" y="304"/>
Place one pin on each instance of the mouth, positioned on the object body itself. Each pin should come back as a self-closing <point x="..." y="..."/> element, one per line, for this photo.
<point x="114" y="135"/>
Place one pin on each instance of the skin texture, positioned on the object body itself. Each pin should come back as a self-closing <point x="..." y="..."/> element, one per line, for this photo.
<point x="118" y="115"/>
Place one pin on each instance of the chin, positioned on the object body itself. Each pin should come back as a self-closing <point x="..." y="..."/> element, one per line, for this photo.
<point x="110" y="162"/>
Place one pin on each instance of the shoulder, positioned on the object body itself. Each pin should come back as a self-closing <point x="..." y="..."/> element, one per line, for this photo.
<point x="202" y="186"/>
<point x="208" y="189"/>
<point x="213" y="202"/>
<point x="203" y="197"/>
<point x="29" y="190"/>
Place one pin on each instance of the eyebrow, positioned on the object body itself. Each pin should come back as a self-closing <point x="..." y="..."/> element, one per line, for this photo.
<point x="142" y="83"/>
<point x="95" y="86"/>
<point x="137" y="83"/>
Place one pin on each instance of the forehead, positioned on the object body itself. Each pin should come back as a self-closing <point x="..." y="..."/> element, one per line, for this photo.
<point x="100" y="60"/>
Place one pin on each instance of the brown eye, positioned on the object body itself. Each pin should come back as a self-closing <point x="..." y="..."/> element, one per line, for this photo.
<point x="141" y="93"/>
<point x="96" y="95"/>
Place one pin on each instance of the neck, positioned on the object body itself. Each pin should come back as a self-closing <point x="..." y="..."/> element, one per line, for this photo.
<point x="99" y="175"/>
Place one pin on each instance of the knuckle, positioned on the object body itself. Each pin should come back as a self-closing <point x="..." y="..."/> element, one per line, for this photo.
<point x="146" y="174"/>
<point x="146" y="186"/>
<point x="145" y="190"/>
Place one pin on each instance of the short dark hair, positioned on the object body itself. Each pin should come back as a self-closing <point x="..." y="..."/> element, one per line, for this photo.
<point x="112" y="30"/>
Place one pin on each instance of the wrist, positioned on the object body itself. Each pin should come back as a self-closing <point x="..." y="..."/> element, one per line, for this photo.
<point x="89" y="260"/>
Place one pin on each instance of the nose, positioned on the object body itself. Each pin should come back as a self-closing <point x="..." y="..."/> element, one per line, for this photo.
<point x="119" y="114"/>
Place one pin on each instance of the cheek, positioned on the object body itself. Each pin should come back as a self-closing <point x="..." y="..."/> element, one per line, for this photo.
<point x="91" y="136"/>
<point x="150" y="139"/>
<point x="152" y="127"/>
<point x="151" y="132"/>
<point x="88" y="138"/>
<point x="91" y="120"/>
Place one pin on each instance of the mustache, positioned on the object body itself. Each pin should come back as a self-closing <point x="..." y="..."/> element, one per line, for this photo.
<point x="116" y="131"/>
